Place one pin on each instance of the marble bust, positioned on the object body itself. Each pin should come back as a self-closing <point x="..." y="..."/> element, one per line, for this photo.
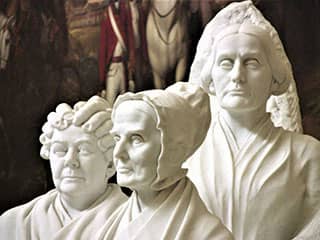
<point x="155" y="132"/>
<point x="81" y="164"/>
<point x="261" y="180"/>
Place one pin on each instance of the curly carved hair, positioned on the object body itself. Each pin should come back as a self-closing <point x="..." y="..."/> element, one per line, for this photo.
<point x="61" y="119"/>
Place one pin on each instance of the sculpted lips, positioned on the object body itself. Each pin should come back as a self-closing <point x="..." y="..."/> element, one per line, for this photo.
<point x="123" y="170"/>
<point x="236" y="92"/>
<point x="73" y="178"/>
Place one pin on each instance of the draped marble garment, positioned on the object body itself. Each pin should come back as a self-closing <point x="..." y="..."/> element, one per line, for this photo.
<point x="176" y="213"/>
<point x="46" y="218"/>
<point x="267" y="188"/>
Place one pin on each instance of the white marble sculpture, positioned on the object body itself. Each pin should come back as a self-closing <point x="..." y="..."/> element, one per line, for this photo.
<point x="262" y="181"/>
<point x="81" y="164"/>
<point x="311" y="231"/>
<point x="155" y="132"/>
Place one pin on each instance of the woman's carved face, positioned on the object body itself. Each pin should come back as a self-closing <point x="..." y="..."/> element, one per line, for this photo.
<point x="241" y="74"/>
<point x="78" y="165"/>
<point x="138" y="145"/>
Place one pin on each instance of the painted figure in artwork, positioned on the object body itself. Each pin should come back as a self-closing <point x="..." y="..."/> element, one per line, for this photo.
<point x="81" y="164"/>
<point x="122" y="44"/>
<point x="155" y="132"/>
<point x="81" y="71"/>
<point x="5" y="39"/>
<point x="262" y="181"/>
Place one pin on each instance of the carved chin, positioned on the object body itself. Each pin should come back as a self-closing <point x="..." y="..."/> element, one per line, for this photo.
<point x="123" y="177"/>
<point x="235" y="102"/>
<point x="71" y="185"/>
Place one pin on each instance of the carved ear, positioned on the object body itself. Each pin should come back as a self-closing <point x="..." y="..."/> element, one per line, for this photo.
<point x="278" y="88"/>
<point x="211" y="88"/>
<point x="110" y="170"/>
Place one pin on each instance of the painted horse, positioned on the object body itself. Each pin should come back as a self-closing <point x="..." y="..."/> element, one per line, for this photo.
<point x="167" y="40"/>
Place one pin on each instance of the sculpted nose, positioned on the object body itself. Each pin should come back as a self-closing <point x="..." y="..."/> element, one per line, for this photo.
<point x="120" y="152"/>
<point x="236" y="74"/>
<point x="71" y="159"/>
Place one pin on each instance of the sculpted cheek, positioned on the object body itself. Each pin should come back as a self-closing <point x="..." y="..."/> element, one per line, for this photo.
<point x="55" y="169"/>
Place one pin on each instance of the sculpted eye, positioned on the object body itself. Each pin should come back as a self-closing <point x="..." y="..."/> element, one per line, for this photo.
<point x="252" y="62"/>
<point x="137" y="139"/>
<point x="59" y="150"/>
<point x="226" y="63"/>
<point x="85" y="149"/>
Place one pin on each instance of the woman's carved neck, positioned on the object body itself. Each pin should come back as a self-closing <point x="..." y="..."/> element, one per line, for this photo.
<point x="243" y="124"/>
<point x="74" y="205"/>
<point x="146" y="197"/>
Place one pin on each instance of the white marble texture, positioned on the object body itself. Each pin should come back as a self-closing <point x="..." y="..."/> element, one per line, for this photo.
<point x="155" y="132"/>
<point x="261" y="180"/>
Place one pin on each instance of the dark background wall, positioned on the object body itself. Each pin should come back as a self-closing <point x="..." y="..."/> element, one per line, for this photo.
<point x="38" y="77"/>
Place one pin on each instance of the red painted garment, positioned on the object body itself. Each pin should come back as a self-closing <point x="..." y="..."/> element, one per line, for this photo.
<point x="108" y="38"/>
